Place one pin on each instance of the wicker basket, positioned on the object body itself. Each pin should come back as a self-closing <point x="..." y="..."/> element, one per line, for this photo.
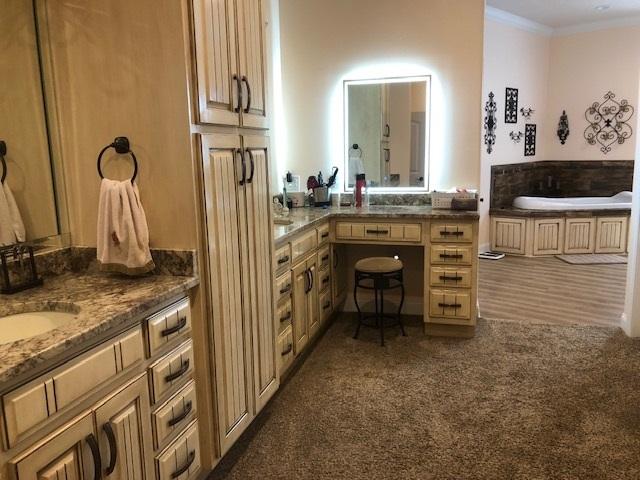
<point x="443" y="199"/>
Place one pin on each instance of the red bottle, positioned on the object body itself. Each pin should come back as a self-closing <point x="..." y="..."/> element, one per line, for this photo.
<point x="360" y="185"/>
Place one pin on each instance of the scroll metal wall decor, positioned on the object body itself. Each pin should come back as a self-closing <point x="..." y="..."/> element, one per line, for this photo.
<point x="527" y="112"/>
<point x="563" y="127"/>
<point x="608" y="122"/>
<point x="529" y="139"/>
<point x="511" y="105"/>
<point x="516" y="137"/>
<point x="490" y="123"/>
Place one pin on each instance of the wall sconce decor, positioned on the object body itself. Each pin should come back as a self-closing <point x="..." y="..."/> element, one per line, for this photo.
<point x="490" y="123"/>
<point x="608" y="122"/>
<point x="529" y="140"/>
<point x="527" y="112"/>
<point x="516" y="137"/>
<point x="563" y="127"/>
<point x="511" y="105"/>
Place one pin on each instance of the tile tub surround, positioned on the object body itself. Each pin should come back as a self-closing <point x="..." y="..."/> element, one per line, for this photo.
<point x="103" y="302"/>
<point x="559" y="179"/>
<point x="304" y="218"/>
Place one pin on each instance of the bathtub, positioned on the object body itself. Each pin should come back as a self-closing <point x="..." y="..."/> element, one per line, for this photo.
<point x="621" y="200"/>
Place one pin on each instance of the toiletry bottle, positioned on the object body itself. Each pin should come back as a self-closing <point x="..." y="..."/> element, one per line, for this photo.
<point x="365" y="201"/>
<point x="357" y="194"/>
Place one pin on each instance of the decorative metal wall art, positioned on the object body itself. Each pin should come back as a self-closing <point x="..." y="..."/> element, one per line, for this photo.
<point x="529" y="139"/>
<point x="608" y="122"/>
<point x="563" y="127"/>
<point x="511" y="105"/>
<point x="527" y="112"/>
<point x="490" y="122"/>
<point x="516" y="137"/>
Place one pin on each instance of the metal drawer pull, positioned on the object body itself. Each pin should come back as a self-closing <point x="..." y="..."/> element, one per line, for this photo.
<point x="450" y="255"/>
<point x="326" y="305"/>
<point x="286" y="317"/>
<point x="183" y="369"/>
<point x="176" y="328"/>
<point x="113" y="448"/>
<point x="449" y="305"/>
<point x="287" y="350"/>
<point x="282" y="260"/>
<point x="324" y="235"/>
<point x="95" y="453"/>
<point x="325" y="258"/>
<point x="445" y="278"/>
<point x="285" y="289"/>
<point x="378" y="232"/>
<point x="185" y="467"/>
<point x="444" y="233"/>
<point x="185" y="413"/>
<point x="325" y="280"/>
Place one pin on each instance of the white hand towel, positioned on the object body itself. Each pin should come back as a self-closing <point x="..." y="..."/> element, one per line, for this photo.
<point x="123" y="234"/>
<point x="11" y="224"/>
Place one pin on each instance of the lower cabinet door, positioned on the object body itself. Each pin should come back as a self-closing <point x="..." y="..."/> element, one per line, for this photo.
<point x="300" y="325"/>
<point x="72" y="453"/>
<point x="125" y="433"/>
<point x="548" y="236"/>
<point x="508" y="235"/>
<point x="313" y="312"/>
<point x="611" y="235"/>
<point x="181" y="459"/>
<point x="338" y="274"/>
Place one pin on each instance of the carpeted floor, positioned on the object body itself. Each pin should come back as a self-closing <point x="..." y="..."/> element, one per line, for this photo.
<point x="516" y="402"/>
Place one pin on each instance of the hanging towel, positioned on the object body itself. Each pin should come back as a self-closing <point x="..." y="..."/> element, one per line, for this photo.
<point x="11" y="224"/>
<point x="123" y="234"/>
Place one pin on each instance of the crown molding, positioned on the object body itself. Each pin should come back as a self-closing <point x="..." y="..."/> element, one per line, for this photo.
<point x="633" y="21"/>
<point x="512" y="20"/>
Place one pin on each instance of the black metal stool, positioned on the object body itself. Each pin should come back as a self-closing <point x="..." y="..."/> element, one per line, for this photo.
<point x="379" y="274"/>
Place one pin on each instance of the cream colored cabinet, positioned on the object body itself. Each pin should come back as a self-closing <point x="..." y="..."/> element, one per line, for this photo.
<point x="237" y="208"/>
<point x="580" y="235"/>
<point x="611" y="234"/>
<point x="509" y="235"/>
<point x="306" y="318"/>
<point x="181" y="459"/>
<point x="230" y="62"/>
<point x="548" y="236"/>
<point x="338" y="274"/>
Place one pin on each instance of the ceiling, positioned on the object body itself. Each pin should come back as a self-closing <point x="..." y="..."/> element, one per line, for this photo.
<point x="568" y="13"/>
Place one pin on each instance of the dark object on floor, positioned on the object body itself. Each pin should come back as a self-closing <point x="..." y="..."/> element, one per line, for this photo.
<point x="378" y="274"/>
<point x="491" y="255"/>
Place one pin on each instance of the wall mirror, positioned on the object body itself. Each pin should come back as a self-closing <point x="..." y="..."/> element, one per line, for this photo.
<point x="387" y="132"/>
<point x="32" y="169"/>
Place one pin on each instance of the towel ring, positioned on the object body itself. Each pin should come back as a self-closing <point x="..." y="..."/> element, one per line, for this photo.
<point x="3" y="152"/>
<point x="356" y="148"/>
<point x="121" y="146"/>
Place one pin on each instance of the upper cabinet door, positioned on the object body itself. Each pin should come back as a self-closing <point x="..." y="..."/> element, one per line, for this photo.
<point x="252" y="55"/>
<point x="217" y="62"/>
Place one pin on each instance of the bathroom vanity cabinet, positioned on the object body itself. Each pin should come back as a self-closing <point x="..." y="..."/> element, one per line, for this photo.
<point x="126" y="408"/>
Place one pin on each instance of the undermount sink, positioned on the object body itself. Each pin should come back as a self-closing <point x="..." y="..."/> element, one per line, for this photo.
<point x="26" y="325"/>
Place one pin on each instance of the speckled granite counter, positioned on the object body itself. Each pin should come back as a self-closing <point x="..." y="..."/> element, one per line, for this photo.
<point x="304" y="218"/>
<point x="101" y="302"/>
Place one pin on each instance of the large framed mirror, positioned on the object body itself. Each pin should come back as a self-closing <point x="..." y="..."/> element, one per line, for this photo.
<point x="32" y="170"/>
<point x="387" y="132"/>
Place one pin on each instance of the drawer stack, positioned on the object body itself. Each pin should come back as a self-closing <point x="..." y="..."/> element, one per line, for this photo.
<point x="452" y="272"/>
<point x="284" y="308"/>
<point x="324" y="283"/>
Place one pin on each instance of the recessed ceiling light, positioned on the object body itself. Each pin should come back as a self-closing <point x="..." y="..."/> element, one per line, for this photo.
<point x="602" y="8"/>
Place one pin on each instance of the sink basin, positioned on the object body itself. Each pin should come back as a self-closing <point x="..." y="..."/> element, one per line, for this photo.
<point x="26" y="325"/>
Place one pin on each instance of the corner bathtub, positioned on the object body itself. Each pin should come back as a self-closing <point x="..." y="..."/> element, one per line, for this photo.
<point x="621" y="200"/>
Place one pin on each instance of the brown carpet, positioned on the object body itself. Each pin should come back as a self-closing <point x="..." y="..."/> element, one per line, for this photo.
<point x="516" y="402"/>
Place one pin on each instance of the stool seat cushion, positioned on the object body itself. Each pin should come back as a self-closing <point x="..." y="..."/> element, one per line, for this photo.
<point x="378" y="265"/>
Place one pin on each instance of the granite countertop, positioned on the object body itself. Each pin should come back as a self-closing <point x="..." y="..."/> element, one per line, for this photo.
<point x="304" y="218"/>
<point x="101" y="302"/>
<point x="526" y="212"/>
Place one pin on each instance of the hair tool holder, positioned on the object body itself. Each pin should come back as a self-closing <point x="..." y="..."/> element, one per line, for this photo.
<point x="17" y="261"/>
<point x="121" y="146"/>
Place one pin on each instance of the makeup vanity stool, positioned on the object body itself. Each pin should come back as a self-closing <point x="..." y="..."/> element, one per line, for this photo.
<point x="379" y="274"/>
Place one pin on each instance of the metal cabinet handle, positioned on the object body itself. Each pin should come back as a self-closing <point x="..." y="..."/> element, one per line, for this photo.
<point x="449" y="305"/>
<point x="325" y="280"/>
<point x="326" y="305"/>
<point x="286" y="317"/>
<point x="245" y="80"/>
<point x="183" y="369"/>
<point x="444" y="233"/>
<point x="387" y="130"/>
<point x="244" y="167"/>
<point x="185" y="467"/>
<point x="236" y="78"/>
<point x="325" y="258"/>
<point x="253" y="166"/>
<point x="446" y="277"/>
<point x="95" y="453"/>
<point x="449" y="255"/>
<point x="176" y="328"/>
<point x="283" y="260"/>
<point x="287" y="350"/>
<point x="113" y="448"/>
<point x="311" y="280"/>
<point x="285" y="289"/>
<point x="324" y="235"/>
<point x="185" y="413"/>
<point x="378" y="232"/>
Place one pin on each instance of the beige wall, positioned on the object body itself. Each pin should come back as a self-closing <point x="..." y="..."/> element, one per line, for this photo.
<point x="119" y="69"/>
<point x="324" y="42"/>
<point x="22" y="120"/>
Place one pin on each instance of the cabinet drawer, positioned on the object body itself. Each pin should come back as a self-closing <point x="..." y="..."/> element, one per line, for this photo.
<point x="325" y="305"/>
<point x="284" y="315"/>
<point x="323" y="234"/>
<point x="283" y="287"/>
<point x="324" y="258"/>
<point x="283" y="259"/>
<point x="174" y="414"/>
<point x="324" y="279"/>
<point x="348" y="230"/>
<point x="181" y="459"/>
<point x="285" y="349"/>
<point x="167" y="325"/>
<point x="450" y="304"/>
<point x="450" y="277"/>
<point x="173" y="369"/>
<point x="376" y="231"/>
<point x="405" y="233"/>
<point x="303" y="245"/>
<point x="457" y="254"/>
<point x="451" y="232"/>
